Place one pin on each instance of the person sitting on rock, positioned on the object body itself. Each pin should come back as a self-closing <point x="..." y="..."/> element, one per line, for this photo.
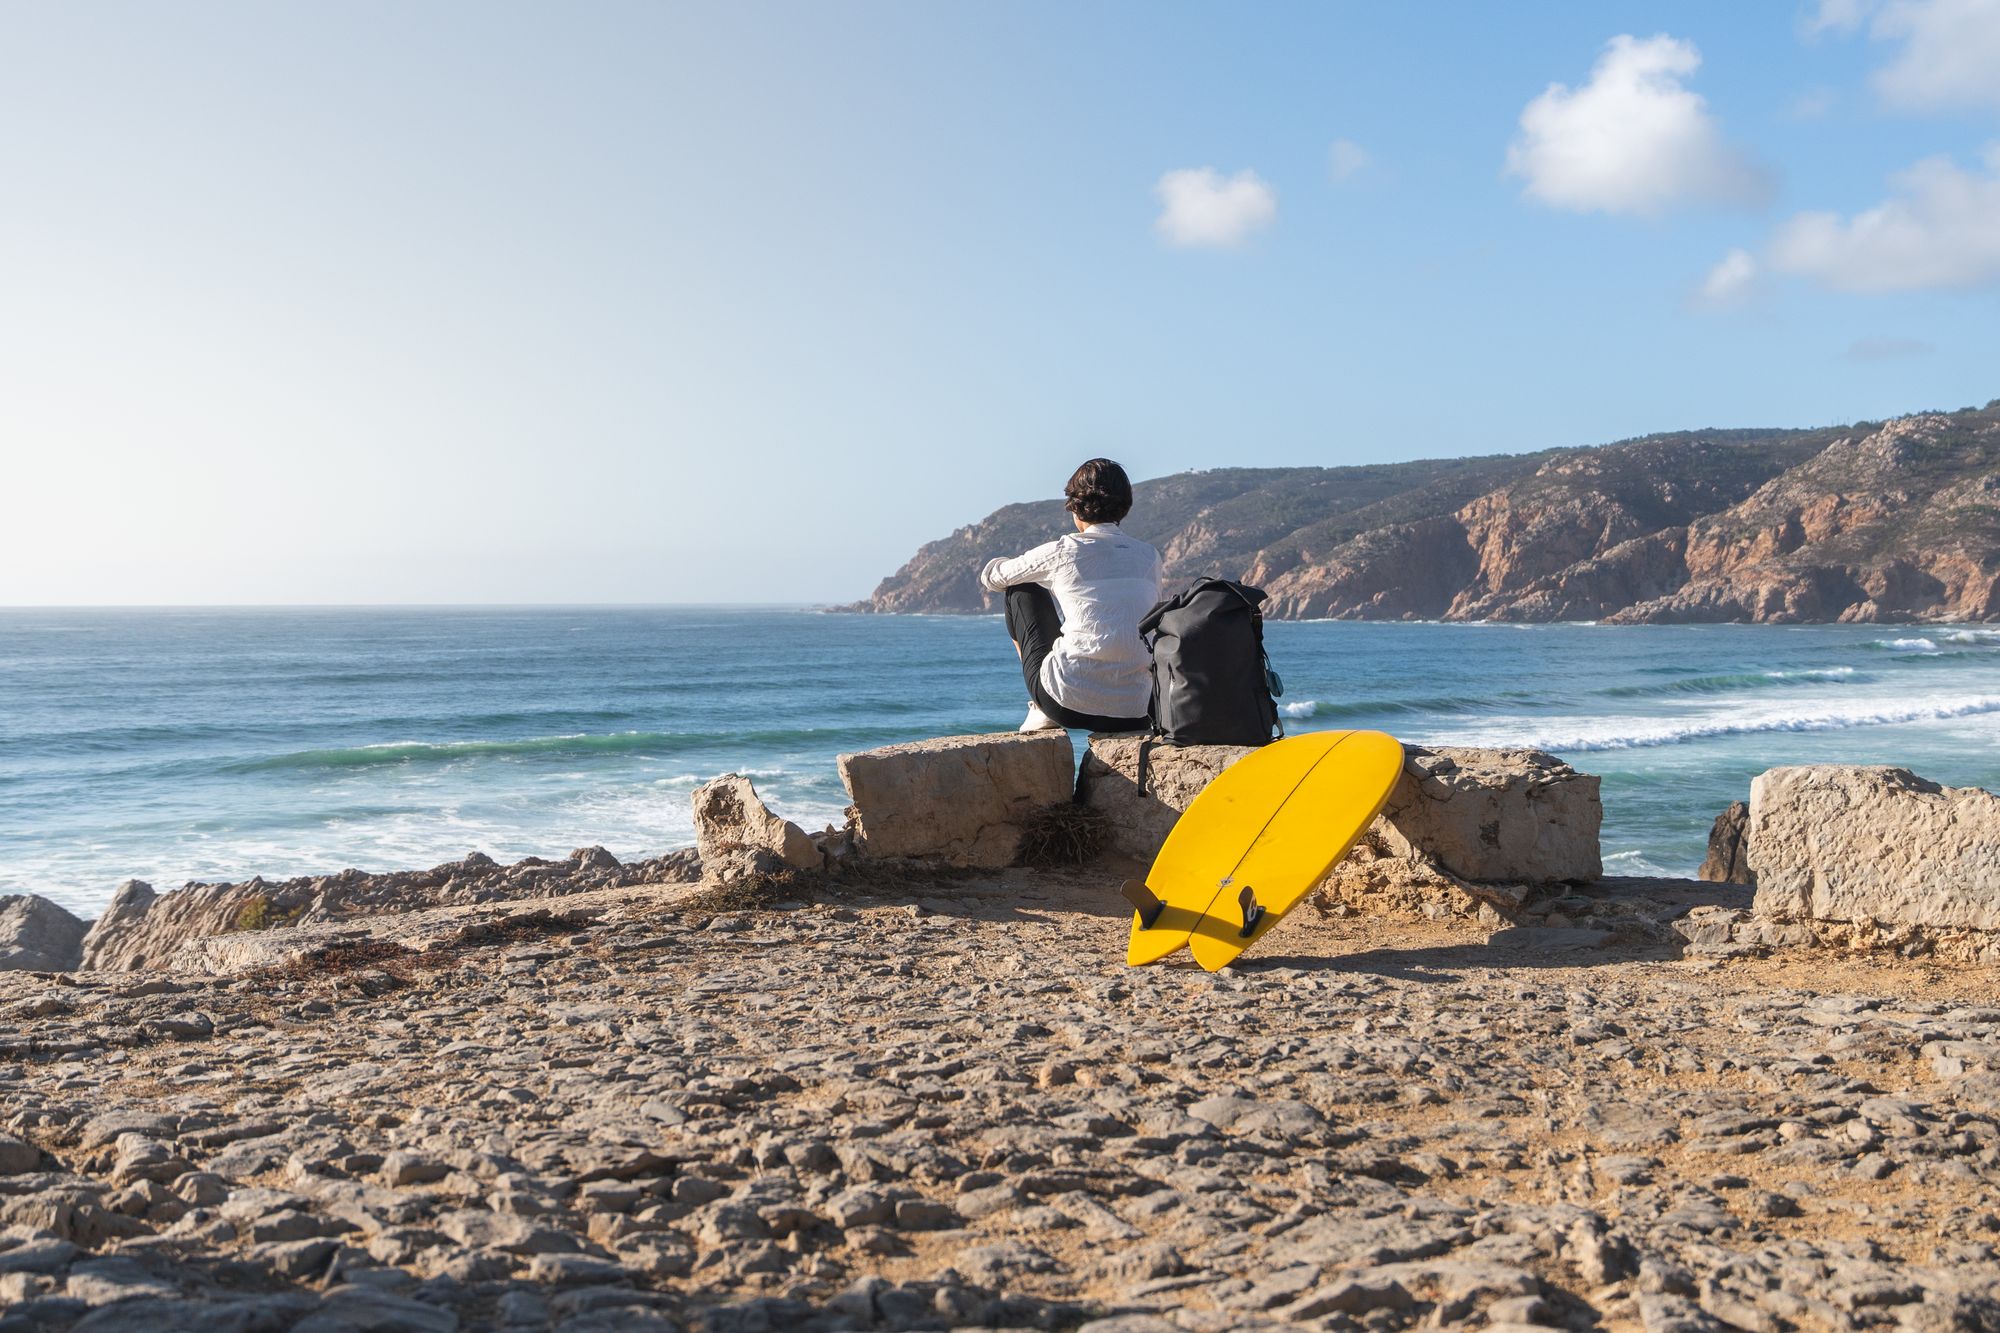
<point x="1073" y="610"/>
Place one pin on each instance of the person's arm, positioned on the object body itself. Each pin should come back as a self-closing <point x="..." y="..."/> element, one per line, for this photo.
<point x="1001" y="573"/>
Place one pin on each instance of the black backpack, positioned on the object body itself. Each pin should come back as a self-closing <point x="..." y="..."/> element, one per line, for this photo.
<point x="1212" y="682"/>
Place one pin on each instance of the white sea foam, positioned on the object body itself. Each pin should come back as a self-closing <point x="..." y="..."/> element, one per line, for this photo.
<point x="1627" y="733"/>
<point x="1636" y="864"/>
<point x="318" y="772"/>
<point x="1813" y="673"/>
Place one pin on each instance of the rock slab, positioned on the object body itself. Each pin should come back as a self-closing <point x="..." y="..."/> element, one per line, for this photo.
<point x="959" y="799"/>
<point x="1137" y="822"/>
<point x="142" y="929"/>
<point x="37" y="935"/>
<point x="1862" y="844"/>
<point x="1518" y="816"/>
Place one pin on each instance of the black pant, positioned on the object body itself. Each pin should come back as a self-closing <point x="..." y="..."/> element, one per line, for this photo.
<point x="1035" y="625"/>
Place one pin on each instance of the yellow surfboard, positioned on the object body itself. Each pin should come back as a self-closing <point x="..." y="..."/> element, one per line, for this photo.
<point x="1257" y="840"/>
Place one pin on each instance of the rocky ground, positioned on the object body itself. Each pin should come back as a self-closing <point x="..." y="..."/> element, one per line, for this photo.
<point x="945" y="1102"/>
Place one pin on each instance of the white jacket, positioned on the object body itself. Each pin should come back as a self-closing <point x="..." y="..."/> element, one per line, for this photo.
<point x="1104" y="582"/>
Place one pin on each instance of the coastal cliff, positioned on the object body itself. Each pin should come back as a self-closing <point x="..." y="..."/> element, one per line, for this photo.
<point x="1895" y="521"/>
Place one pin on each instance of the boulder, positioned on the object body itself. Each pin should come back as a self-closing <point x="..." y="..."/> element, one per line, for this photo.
<point x="960" y="799"/>
<point x="37" y="935"/>
<point x="737" y="835"/>
<point x="1726" y="861"/>
<point x="1874" y="845"/>
<point x="1514" y="816"/>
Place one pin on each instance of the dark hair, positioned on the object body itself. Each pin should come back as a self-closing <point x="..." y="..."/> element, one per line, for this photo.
<point x="1099" y="492"/>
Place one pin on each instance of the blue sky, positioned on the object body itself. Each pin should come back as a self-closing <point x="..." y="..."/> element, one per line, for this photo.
<point x="651" y="302"/>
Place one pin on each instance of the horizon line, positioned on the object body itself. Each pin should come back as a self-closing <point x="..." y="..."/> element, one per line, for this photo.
<point x="416" y="606"/>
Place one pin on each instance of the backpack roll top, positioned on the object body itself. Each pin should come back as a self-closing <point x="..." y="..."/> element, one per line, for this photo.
<point x="1212" y="682"/>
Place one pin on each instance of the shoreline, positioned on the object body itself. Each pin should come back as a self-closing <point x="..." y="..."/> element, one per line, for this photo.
<point x="582" y="736"/>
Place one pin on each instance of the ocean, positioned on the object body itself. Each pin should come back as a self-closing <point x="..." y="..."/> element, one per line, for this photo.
<point x="178" y="745"/>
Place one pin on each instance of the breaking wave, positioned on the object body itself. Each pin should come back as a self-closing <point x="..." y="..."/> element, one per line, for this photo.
<point x="574" y="746"/>
<point x="1635" y="733"/>
<point x="1374" y="707"/>
<point x="1725" y="684"/>
<point x="1639" y="864"/>
<point x="407" y="752"/>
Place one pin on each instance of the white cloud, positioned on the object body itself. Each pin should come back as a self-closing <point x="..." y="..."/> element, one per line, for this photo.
<point x="1635" y="139"/>
<point x="1347" y="158"/>
<point x="1730" y="282"/>
<point x="1812" y="104"/>
<point x="1836" y="16"/>
<point x="1950" y="55"/>
<point x="1940" y="228"/>
<point x="1199" y="206"/>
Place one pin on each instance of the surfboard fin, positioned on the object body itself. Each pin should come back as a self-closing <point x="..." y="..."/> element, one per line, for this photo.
<point x="1144" y="901"/>
<point x="1253" y="911"/>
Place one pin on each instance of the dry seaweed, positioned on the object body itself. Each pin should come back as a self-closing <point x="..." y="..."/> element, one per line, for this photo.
<point x="513" y="929"/>
<point x="1065" y="834"/>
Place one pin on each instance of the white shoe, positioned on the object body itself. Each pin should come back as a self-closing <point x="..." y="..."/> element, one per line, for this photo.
<point x="1037" y="720"/>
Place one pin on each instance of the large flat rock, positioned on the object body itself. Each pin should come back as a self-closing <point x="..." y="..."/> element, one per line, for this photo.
<point x="143" y="929"/>
<point x="1882" y="845"/>
<point x="958" y="799"/>
<point x="1516" y="816"/>
<point x="238" y="952"/>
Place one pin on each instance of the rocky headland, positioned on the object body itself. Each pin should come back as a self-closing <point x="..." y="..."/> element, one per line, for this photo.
<point x="1878" y="521"/>
<point x="895" y="1075"/>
